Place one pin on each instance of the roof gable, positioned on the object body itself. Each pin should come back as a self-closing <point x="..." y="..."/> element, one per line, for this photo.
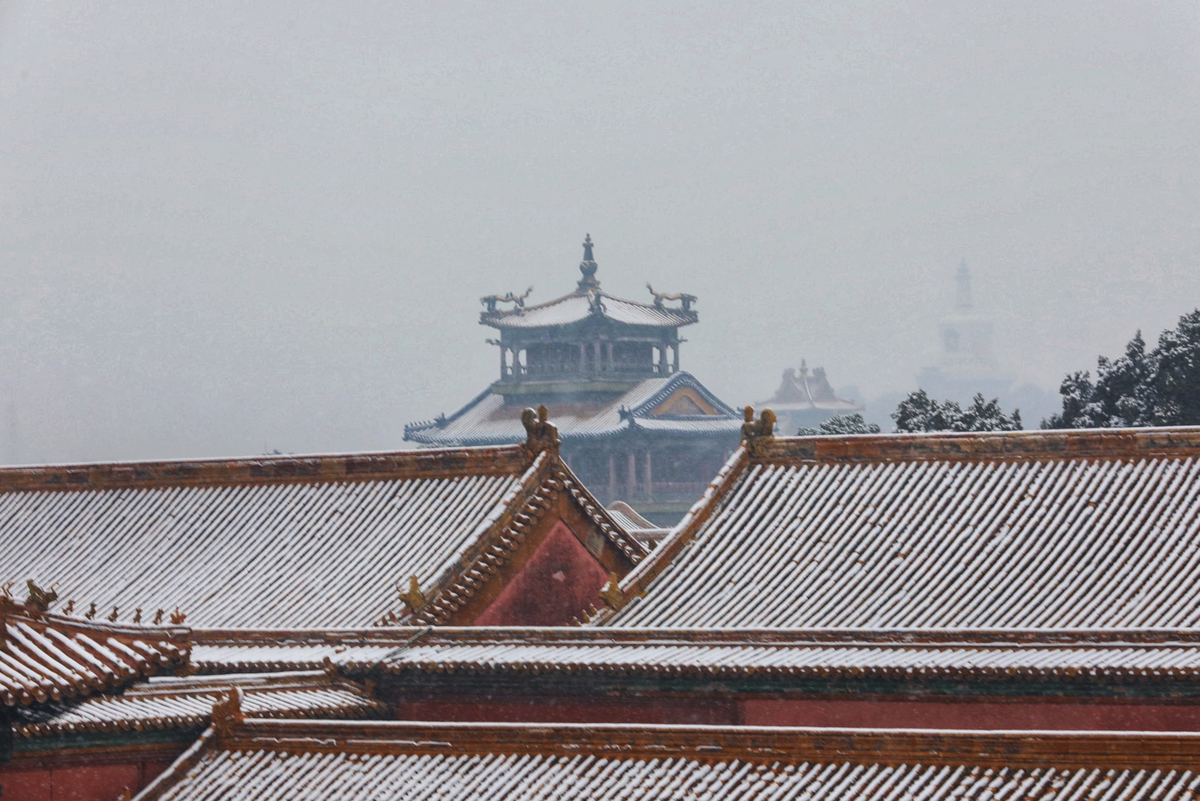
<point x="1007" y="530"/>
<point x="486" y="420"/>
<point x="550" y="503"/>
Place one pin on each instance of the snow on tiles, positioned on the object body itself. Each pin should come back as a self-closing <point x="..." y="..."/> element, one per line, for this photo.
<point x="1021" y="530"/>
<point x="326" y="541"/>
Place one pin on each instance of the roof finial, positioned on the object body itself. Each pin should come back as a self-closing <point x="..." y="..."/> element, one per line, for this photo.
<point x="542" y="435"/>
<point x="588" y="267"/>
<point x="757" y="434"/>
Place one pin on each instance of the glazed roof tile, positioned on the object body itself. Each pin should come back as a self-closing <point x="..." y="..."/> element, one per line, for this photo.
<point x="277" y="541"/>
<point x="51" y="657"/>
<point x="486" y="420"/>
<point x="577" y="307"/>
<point x="1096" y="529"/>
<point x="310" y="759"/>
<point x="186" y="703"/>
<point x="1076" y="655"/>
<point x="1071" y="655"/>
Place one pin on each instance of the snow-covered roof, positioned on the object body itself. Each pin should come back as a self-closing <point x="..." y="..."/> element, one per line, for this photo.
<point x="1079" y="657"/>
<point x="186" y="703"/>
<point x="801" y="391"/>
<point x="635" y="524"/>
<point x="46" y="657"/>
<point x="580" y="306"/>
<point x="1025" y="530"/>
<point x="486" y="420"/>
<point x="278" y="541"/>
<point x="394" y="760"/>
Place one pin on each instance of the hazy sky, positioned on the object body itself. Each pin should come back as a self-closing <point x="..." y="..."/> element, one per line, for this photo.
<point x="230" y="228"/>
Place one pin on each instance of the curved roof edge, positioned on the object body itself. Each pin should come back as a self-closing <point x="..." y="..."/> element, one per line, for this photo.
<point x="1110" y="443"/>
<point x="416" y="463"/>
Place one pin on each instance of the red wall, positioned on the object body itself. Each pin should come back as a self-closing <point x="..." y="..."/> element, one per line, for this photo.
<point x="1020" y="713"/>
<point x="32" y="782"/>
<point x="556" y="585"/>
<point x="568" y="710"/>
<point x="970" y="714"/>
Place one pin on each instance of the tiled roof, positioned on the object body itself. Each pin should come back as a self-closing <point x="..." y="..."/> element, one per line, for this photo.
<point x="273" y="650"/>
<point x="186" y="703"/>
<point x="577" y="307"/>
<point x="1076" y="656"/>
<point x="486" y="420"/>
<point x="807" y="391"/>
<point x="310" y="759"/>
<point x="1081" y="529"/>
<point x="638" y="526"/>
<point x="278" y="541"/>
<point x="51" y="657"/>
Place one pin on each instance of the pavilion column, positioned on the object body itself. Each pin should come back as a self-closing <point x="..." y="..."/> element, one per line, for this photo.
<point x="648" y="477"/>
<point x="596" y="356"/>
<point x="631" y="493"/>
<point x="612" y="478"/>
<point x="503" y="362"/>
<point x="582" y="358"/>
<point x="610" y="357"/>
<point x="675" y="360"/>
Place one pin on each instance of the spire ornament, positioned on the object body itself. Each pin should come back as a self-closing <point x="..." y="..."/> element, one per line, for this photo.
<point x="588" y="267"/>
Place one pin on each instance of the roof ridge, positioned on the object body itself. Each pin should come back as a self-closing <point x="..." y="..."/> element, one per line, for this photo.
<point x="1106" y="443"/>
<point x="552" y="635"/>
<point x="314" y="468"/>
<point x="1059" y="749"/>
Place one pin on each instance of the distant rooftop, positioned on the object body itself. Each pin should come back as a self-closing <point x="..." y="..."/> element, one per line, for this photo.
<point x="801" y="390"/>
<point x="588" y="302"/>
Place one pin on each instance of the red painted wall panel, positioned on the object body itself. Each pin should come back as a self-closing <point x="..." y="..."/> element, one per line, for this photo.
<point x="556" y="710"/>
<point x="949" y="714"/>
<point x="558" y="583"/>
<point x="25" y="785"/>
<point x="100" y="782"/>
<point x="850" y="713"/>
